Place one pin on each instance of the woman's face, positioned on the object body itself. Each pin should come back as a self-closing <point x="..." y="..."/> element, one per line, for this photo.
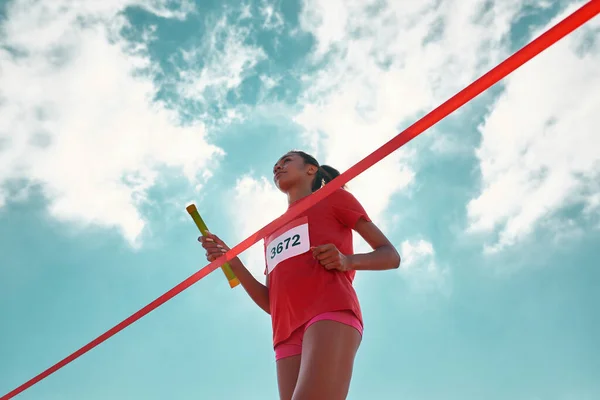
<point x="291" y="170"/>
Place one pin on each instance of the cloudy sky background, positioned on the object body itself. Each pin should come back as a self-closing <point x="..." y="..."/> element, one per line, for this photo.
<point x="115" y="115"/>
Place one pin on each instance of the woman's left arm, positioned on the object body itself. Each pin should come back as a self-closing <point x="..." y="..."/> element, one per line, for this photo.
<point x="384" y="255"/>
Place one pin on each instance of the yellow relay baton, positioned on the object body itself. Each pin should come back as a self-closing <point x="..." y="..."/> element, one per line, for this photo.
<point x="191" y="209"/>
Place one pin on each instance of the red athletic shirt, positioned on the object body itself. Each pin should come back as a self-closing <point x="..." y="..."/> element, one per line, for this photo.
<point x="299" y="286"/>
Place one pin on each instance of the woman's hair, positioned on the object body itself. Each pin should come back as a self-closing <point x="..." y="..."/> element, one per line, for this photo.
<point x="325" y="173"/>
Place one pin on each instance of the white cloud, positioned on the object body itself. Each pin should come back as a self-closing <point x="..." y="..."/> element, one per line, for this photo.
<point x="416" y="254"/>
<point x="592" y="203"/>
<point x="564" y="231"/>
<point x="246" y="12"/>
<point x="273" y="20"/>
<point x="449" y="145"/>
<point x="162" y="9"/>
<point x="256" y="202"/>
<point x="270" y="82"/>
<point x="539" y="150"/>
<point x="419" y="267"/>
<point x="385" y="63"/>
<point x="77" y="116"/>
<point x="217" y="66"/>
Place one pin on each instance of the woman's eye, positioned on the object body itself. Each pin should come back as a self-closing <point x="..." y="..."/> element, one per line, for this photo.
<point x="283" y="162"/>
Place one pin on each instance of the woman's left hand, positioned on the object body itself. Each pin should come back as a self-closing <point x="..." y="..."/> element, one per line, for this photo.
<point x="331" y="258"/>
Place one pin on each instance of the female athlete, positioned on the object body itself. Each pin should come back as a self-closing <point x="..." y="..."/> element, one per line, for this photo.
<point x="310" y="266"/>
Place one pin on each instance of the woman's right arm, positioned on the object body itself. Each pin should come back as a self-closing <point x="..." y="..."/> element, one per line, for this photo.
<point x="258" y="292"/>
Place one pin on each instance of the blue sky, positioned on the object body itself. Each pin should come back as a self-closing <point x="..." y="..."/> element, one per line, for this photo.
<point x="116" y="115"/>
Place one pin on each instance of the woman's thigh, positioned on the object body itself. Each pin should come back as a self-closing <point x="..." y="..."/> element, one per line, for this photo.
<point x="287" y="375"/>
<point x="328" y="352"/>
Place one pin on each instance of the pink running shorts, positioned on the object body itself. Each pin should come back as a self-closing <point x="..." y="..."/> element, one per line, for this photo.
<point x="292" y="346"/>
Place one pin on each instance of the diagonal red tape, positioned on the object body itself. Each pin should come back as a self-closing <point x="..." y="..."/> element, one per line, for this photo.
<point x="547" y="39"/>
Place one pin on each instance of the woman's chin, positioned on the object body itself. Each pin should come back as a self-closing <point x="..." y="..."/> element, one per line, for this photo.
<point x="282" y="185"/>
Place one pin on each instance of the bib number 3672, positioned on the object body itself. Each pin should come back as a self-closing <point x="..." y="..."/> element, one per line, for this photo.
<point x="285" y="244"/>
<point x="290" y="243"/>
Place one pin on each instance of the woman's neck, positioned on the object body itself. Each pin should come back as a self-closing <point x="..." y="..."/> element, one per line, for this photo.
<point x="298" y="193"/>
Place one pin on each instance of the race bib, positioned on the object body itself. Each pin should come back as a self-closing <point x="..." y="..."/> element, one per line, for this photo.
<point x="290" y="243"/>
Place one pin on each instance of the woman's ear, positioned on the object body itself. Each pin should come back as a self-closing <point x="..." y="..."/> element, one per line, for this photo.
<point x="312" y="169"/>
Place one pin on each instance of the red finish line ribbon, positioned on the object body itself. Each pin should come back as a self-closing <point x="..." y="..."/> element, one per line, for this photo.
<point x="547" y="39"/>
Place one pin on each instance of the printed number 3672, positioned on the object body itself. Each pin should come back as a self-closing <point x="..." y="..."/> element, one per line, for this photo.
<point x="295" y="240"/>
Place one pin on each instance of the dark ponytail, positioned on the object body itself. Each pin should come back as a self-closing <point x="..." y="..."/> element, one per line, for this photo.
<point x="325" y="173"/>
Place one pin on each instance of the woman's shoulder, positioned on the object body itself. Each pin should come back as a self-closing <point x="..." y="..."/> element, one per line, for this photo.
<point x="342" y="195"/>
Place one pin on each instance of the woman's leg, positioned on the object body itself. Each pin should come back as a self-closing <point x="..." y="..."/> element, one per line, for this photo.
<point x="287" y="375"/>
<point x="328" y="352"/>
